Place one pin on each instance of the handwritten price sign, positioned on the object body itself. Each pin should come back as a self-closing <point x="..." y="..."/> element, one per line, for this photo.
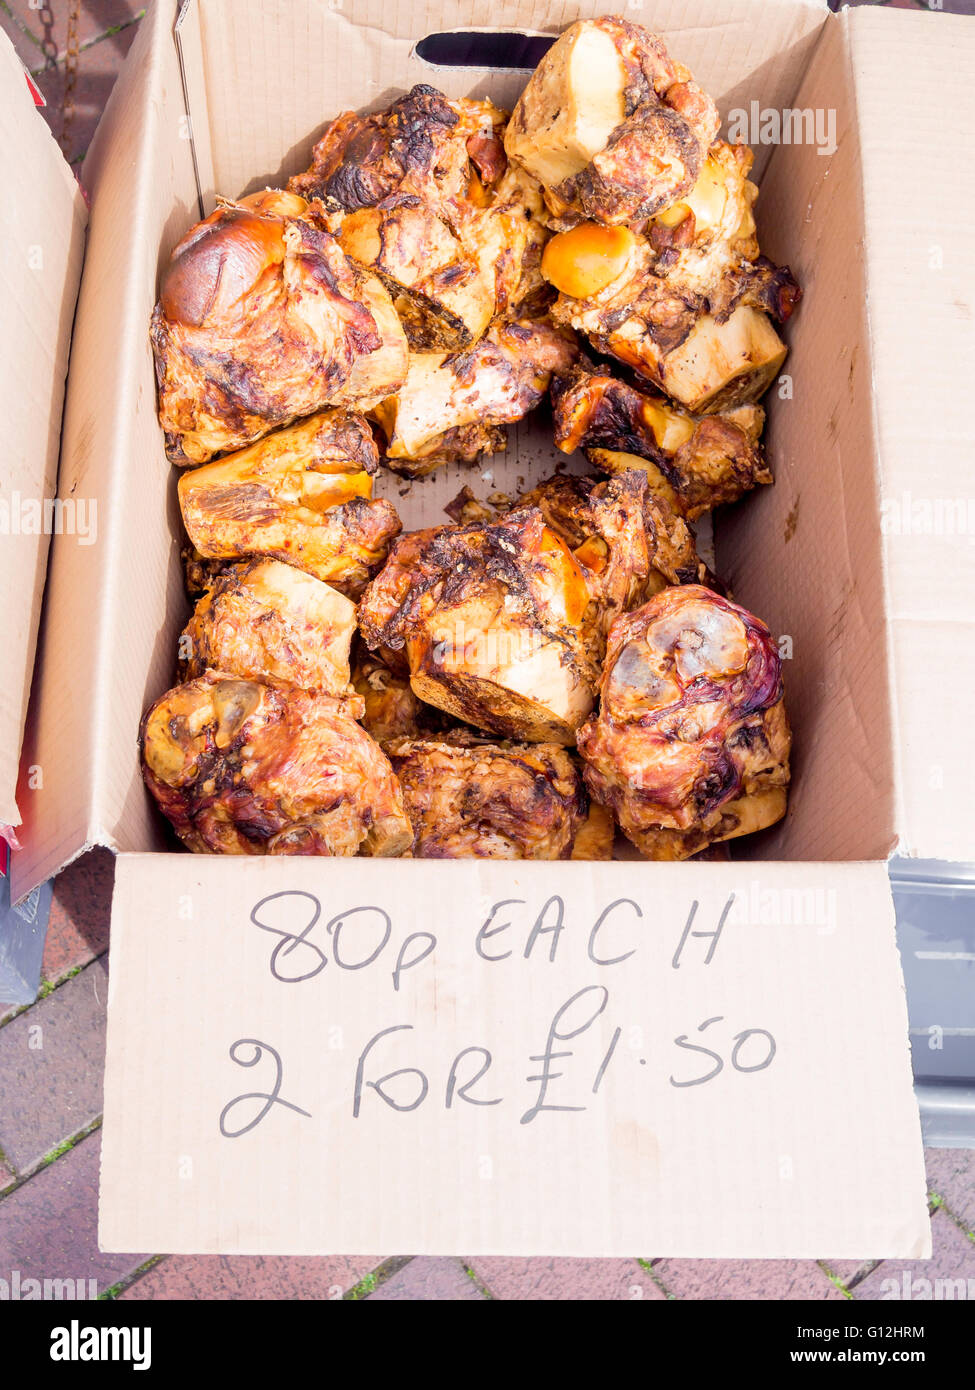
<point x="507" y="1058"/>
<point x="298" y="957"/>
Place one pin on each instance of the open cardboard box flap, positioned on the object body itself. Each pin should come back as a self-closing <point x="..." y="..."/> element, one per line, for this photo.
<point x="44" y="219"/>
<point x="806" y="555"/>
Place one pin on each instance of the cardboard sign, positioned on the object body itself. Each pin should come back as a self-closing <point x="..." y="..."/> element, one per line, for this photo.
<point x="565" y="1059"/>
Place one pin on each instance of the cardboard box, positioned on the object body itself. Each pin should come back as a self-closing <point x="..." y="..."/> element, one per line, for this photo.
<point x="294" y="1064"/>
<point x="43" y="224"/>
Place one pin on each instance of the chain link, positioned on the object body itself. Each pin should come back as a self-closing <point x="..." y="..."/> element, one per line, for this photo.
<point x="48" y="45"/>
<point x="70" y="73"/>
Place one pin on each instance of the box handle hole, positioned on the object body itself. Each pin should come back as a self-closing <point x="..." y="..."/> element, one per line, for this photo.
<point x="484" y="48"/>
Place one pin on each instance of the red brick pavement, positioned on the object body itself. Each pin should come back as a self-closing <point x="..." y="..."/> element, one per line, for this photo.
<point x="52" y="1058"/>
<point x="565" y="1279"/>
<point x="745" y="1279"/>
<point x="953" y="1259"/>
<point x="80" y="911"/>
<point x="429" y="1280"/>
<point x="221" y="1277"/>
<point x="48" y="1224"/>
<point x="951" y="1176"/>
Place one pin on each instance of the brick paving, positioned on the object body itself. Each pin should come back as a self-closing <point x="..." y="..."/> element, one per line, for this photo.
<point x="80" y="911"/>
<point x="745" y="1279"/>
<point x="951" y="1176"/>
<point x="953" y="1258"/>
<point x="563" y="1279"/>
<point x="221" y="1277"/>
<point x="48" y="1094"/>
<point x="426" y="1279"/>
<point x="48" y="1225"/>
<point x="51" y="1062"/>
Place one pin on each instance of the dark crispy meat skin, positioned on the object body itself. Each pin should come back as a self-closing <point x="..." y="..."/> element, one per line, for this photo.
<point x="628" y="541"/>
<point x="710" y="459"/>
<point x="264" y="620"/>
<point x="244" y="767"/>
<point x="451" y="406"/>
<point x="470" y="799"/>
<point x="761" y="284"/>
<point x="691" y="743"/>
<point x="198" y="572"/>
<point x="382" y="610"/>
<point x="409" y="148"/>
<point x="262" y="319"/>
<point x="302" y="495"/>
<point x="494" y="623"/>
<point x="419" y="195"/>
<point x="615" y="187"/>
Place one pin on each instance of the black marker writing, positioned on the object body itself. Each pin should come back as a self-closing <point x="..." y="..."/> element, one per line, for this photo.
<point x="338" y="924"/>
<point x="378" y="1085"/>
<point x="714" y="935"/>
<point x="403" y="962"/>
<point x="487" y="930"/>
<point x="290" y="941"/>
<point x="269" y="1098"/>
<point x="740" y="1040"/>
<point x="541" y="929"/>
<point x="610" y="960"/>
<point x="546" y="1076"/>
<point x="606" y="1060"/>
<point x="463" y="1090"/>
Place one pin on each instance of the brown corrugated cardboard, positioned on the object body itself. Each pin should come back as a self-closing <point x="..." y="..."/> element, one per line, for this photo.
<point x="102" y="660"/>
<point x="44" y="240"/>
<point x="808" y="555"/>
<point x="920" y="292"/>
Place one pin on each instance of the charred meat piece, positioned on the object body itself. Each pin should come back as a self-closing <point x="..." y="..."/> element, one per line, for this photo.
<point x="198" y="572"/>
<point x="266" y="620"/>
<point x="627" y="540"/>
<point x="691" y="743"/>
<point x="302" y="495"/>
<point x="470" y="799"/>
<point x="451" y="406"/>
<point x="695" y="462"/>
<point x="685" y="300"/>
<point x="716" y="365"/>
<point x="392" y="711"/>
<point x="383" y="608"/>
<point x="703" y="246"/>
<point x="611" y="127"/>
<point x="245" y="767"/>
<point x="261" y="319"/>
<point x="709" y="351"/>
<point x="418" y="194"/>
<point x="494" y="623"/>
<point x="442" y="153"/>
